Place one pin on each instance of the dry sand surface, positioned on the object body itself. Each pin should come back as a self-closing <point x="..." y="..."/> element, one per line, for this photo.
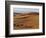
<point x="26" y="21"/>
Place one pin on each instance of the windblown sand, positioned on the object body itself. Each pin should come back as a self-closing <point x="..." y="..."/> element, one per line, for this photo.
<point x="26" y="21"/>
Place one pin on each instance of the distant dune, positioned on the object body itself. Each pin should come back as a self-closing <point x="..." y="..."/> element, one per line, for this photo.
<point x="26" y="21"/>
<point x="27" y="13"/>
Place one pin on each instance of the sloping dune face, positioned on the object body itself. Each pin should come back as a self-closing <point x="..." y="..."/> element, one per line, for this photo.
<point x="26" y="21"/>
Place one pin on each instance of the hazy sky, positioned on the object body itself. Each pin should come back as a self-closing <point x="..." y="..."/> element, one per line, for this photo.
<point x="22" y="10"/>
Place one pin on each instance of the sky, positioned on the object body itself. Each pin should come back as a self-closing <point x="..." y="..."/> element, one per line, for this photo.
<point x="26" y="10"/>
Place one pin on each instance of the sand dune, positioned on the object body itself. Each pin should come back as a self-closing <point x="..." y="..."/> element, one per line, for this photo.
<point x="26" y="21"/>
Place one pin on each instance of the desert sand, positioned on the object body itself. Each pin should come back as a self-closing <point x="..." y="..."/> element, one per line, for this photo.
<point x="26" y="21"/>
